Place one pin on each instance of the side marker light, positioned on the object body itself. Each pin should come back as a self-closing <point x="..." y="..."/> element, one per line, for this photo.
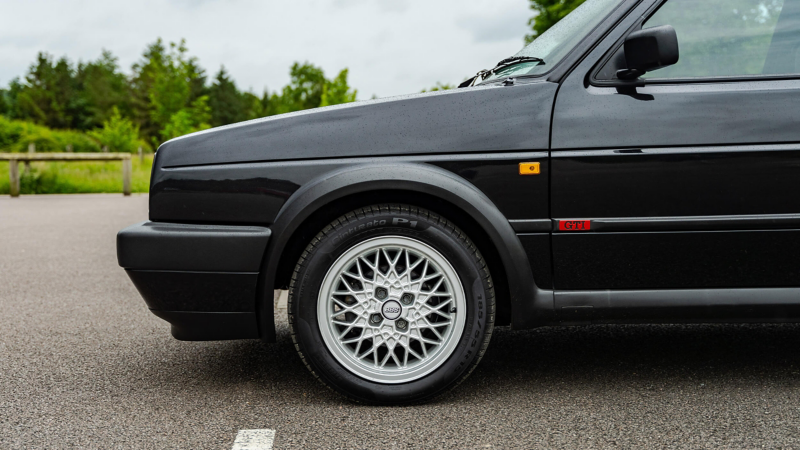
<point x="530" y="168"/>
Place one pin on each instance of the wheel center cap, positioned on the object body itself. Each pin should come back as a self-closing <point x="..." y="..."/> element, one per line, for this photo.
<point x="391" y="309"/>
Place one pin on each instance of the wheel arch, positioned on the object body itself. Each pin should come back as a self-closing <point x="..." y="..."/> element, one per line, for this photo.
<point x="332" y="194"/>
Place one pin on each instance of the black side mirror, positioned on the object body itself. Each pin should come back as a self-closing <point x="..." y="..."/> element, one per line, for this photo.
<point x="649" y="49"/>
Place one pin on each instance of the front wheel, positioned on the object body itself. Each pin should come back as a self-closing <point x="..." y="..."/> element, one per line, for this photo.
<point x="391" y="304"/>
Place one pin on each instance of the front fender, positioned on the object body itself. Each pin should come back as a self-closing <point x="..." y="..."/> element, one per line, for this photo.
<point x="529" y="304"/>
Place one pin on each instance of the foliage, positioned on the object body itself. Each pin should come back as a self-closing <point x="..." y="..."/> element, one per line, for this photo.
<point x="549" y="12"/>
<point x="60" y="177"/>
<point x="170" y="86"/>
<point x="15" y="135"/>
<point x="4" y="106"/>
<point x="227" y="104"/>
<point x="103" y="89"/>
<point x="337" y="91"/>
<point x="165" y="96"/>
<point x="118" y="133"/>
<point x="188" y="120"/>
<point x="51" y="95"/>
<point x="308" y="88"/>
<point x="440" y="87"/>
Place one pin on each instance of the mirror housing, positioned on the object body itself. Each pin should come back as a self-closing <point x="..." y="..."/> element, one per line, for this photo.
<point x="649" y="49"/>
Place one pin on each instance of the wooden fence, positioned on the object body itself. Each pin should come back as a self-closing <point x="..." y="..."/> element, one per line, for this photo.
<point x="15" y="158"/>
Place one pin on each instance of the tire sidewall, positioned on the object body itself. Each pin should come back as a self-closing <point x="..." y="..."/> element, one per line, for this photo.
<point x="355" y="229"/>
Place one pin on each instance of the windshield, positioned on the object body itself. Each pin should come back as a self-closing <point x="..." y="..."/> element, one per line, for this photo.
<point x="554" y="44"/>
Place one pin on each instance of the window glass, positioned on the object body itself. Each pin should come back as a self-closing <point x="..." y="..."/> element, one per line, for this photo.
<point x="719" y="38"/>
<point x="554" y="44"/>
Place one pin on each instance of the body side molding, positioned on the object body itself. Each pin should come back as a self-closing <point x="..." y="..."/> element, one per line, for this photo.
<point x="530" y="305"/>
<point x="679" y="305"/>
<point x="691" y="223"/>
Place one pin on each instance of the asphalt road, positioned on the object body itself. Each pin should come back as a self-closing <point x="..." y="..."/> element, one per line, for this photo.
<point x="83" y="364"/>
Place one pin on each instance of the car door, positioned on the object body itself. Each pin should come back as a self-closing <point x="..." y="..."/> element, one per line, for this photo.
<point x="692" y="180"/>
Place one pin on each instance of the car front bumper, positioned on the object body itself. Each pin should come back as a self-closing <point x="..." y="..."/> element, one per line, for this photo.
<point x="202" y="279"/>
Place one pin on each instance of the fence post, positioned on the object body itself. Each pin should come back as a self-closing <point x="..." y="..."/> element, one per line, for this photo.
<point x="141" y="155"/>
<point x="13" y="177"/>
<point x="31" y="149"/>
<point x="105" y="149"/>
<point x="126" y="176"/>
<point x="69" y="148"/>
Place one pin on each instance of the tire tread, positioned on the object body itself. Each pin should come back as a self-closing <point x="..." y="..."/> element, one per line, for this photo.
<point x="370" y="211"/>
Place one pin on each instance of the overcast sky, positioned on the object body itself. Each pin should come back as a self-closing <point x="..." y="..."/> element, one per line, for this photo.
<point x="390" y="46"/>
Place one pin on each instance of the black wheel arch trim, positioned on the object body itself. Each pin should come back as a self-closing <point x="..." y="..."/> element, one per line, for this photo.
<point x="530" y="305"/>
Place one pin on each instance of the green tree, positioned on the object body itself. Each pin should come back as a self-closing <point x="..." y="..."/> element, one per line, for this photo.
<point x="337" y="91"/>
<point x="439" y="87"/>
<point x="50" y="94"/>
<point x="103" y="87"/>
<point x="255" y="106"/>
<point x="168" y="87"/>
<point x="227" y="104"/>
<point x="303" y="92"/>
<point x="549" y="12"/>
<point x="118" y="133"/>
<point x="4" y="106"/>
<point x="188" y="120"/>
<point x="12" y="106"/>
<point x="308" y="88"/>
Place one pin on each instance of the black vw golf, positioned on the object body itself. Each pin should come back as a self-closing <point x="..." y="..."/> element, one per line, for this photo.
<point x="638" y="162"/>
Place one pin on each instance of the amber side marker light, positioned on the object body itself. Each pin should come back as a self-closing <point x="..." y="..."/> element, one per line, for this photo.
<point x="531" y="168"/>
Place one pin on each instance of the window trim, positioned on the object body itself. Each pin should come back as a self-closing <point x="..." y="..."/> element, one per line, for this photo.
<point x="640" y="82"/>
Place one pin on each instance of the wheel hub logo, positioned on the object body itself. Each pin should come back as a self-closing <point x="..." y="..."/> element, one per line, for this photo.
<point x="391" y="310"/>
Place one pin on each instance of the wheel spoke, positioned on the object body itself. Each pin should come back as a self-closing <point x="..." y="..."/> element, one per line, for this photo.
<point x="354" y="300"/>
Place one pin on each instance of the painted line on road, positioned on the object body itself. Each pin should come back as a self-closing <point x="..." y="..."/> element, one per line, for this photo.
<point x="254" y="440"/>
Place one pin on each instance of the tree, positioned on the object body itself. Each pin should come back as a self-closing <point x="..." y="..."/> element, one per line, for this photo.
<point x="166" y="96"/>
<point x="169" y="91"/>
<point x="549" y="12"/>
<point x="103" y="87"/>
<point x="255" y="106"/>
<point x="118" y="133"/>
<point x="188" y="120"/>
<point x="337" y="91"/>
<point x="308" y="88"/>
<point x="4" y="106"/>
<point x="439" y="87"/>
<point x="50" y="94"/>
<point x="227" y="104"/>
<point x="304" y="90"/>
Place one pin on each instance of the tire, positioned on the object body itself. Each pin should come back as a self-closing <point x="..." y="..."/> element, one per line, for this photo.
<point x="391" y="304"/>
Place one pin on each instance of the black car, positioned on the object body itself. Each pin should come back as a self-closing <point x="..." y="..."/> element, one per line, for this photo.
<point x="595" y="177"/>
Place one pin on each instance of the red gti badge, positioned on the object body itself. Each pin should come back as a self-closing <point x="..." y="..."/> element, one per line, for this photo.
<point x="574" y="225"/>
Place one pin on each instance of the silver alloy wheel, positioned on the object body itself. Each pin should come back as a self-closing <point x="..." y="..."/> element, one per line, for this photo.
<point x="391" y="309"/>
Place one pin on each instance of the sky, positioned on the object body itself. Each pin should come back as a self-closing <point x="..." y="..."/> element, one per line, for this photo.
<point x="391" y="47"/>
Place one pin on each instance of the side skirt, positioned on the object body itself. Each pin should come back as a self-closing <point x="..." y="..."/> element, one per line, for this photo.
<point x="678" y="306"/>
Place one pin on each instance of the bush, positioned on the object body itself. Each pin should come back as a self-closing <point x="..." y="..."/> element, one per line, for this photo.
<point x="118" y="133"/>
<point x="15" y="135"/>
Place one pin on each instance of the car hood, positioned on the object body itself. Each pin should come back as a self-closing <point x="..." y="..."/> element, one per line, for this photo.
<point x="478" y="119"/>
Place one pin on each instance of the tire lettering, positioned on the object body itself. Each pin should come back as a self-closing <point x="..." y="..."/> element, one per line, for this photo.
<point x="399" y="221"/>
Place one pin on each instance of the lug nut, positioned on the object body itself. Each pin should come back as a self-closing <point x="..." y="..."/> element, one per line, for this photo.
<point x="402" y="324"/>
<point x="407" y="299"/>
<point x="375" y="318"/>
<point x="381" y="293"/>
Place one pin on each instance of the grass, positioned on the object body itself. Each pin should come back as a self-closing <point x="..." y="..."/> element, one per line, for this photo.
<point x="78" y="177"/>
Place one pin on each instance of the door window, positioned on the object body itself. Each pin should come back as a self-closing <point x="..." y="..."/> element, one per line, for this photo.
<point x="731" y="38"/>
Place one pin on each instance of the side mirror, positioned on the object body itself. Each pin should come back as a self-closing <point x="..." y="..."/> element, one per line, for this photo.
<point x="649" y="49"/>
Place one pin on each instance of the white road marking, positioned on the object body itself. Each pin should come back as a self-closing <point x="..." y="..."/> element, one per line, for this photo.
<point x="281" y="299"/>
<point x="254" y="440"/>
